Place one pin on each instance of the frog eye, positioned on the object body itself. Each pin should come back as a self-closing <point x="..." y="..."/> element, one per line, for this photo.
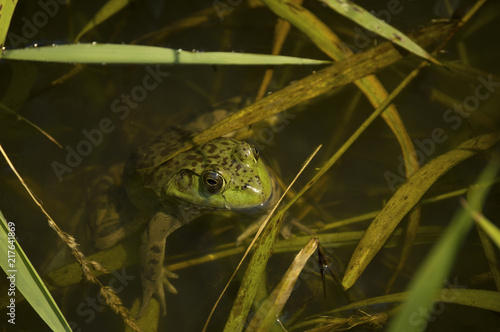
<point x="213" y="181"/>
<point x="246" y="152"/>
<point x="255" y="152"/>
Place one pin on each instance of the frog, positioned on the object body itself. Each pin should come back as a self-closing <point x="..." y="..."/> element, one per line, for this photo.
<point x="222" y="175"/>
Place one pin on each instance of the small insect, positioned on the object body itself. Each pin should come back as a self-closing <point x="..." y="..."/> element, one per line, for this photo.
<point x="325" y="264"/>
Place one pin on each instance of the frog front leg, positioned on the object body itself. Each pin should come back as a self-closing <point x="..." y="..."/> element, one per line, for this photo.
<point x="152" y="254"/>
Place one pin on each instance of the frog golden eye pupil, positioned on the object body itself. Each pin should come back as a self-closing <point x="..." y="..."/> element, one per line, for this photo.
<point x="212" y="181"/>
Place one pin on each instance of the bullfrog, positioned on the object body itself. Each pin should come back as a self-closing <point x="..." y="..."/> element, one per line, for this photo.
<point x="223" y="174"/>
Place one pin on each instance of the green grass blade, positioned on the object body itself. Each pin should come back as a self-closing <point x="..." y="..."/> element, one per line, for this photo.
<point x="491" y="256"/>
<point x="109" y="9"/>
<point x="435" y="269"/>
<point x="487" y="232"/>
<point x="476" y="298"/>
<point x="487" y="226"/>
<point x="253" y="275"/>
<point x="27" y="280"/>
<point x="265" y="241"/>
<point x="6" y="11"/>
<point x="138" y="54"/>
<point x="368" y="21"/>
<point x="265" y="317"/>
<point x="404" y="199"/>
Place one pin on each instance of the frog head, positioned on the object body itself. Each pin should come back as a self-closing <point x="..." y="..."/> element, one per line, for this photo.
<point x="223" y="174"/>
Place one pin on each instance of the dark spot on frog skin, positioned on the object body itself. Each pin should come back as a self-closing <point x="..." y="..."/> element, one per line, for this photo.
<point x="155" y="249"/>
<point x="153" y="262"/>
<point x="211" y="148"/>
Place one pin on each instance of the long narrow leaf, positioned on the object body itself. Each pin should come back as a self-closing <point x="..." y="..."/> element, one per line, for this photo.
<point x="253" y="275"/>
<point x="265" y="317"/>
<point x="109" y="9"/>
<point x="487" y="232"/>
<point x="138" y="54"/>
<point x="487" y="226"/>
<point x="26" y="280"/>
<point x="6" y="11"/>
<point x="367" y="20"/>
<point x="476" y="298"/>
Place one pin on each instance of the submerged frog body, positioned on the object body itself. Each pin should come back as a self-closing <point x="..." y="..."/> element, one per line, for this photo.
<point x="221" y="175"/>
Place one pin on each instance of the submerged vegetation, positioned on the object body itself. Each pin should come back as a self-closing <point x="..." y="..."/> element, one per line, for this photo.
<point x="392" y="222"/>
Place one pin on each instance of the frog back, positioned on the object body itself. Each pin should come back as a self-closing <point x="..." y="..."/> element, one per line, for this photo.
<point x="141" y="169"/>
<point x="155" y="152"/>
